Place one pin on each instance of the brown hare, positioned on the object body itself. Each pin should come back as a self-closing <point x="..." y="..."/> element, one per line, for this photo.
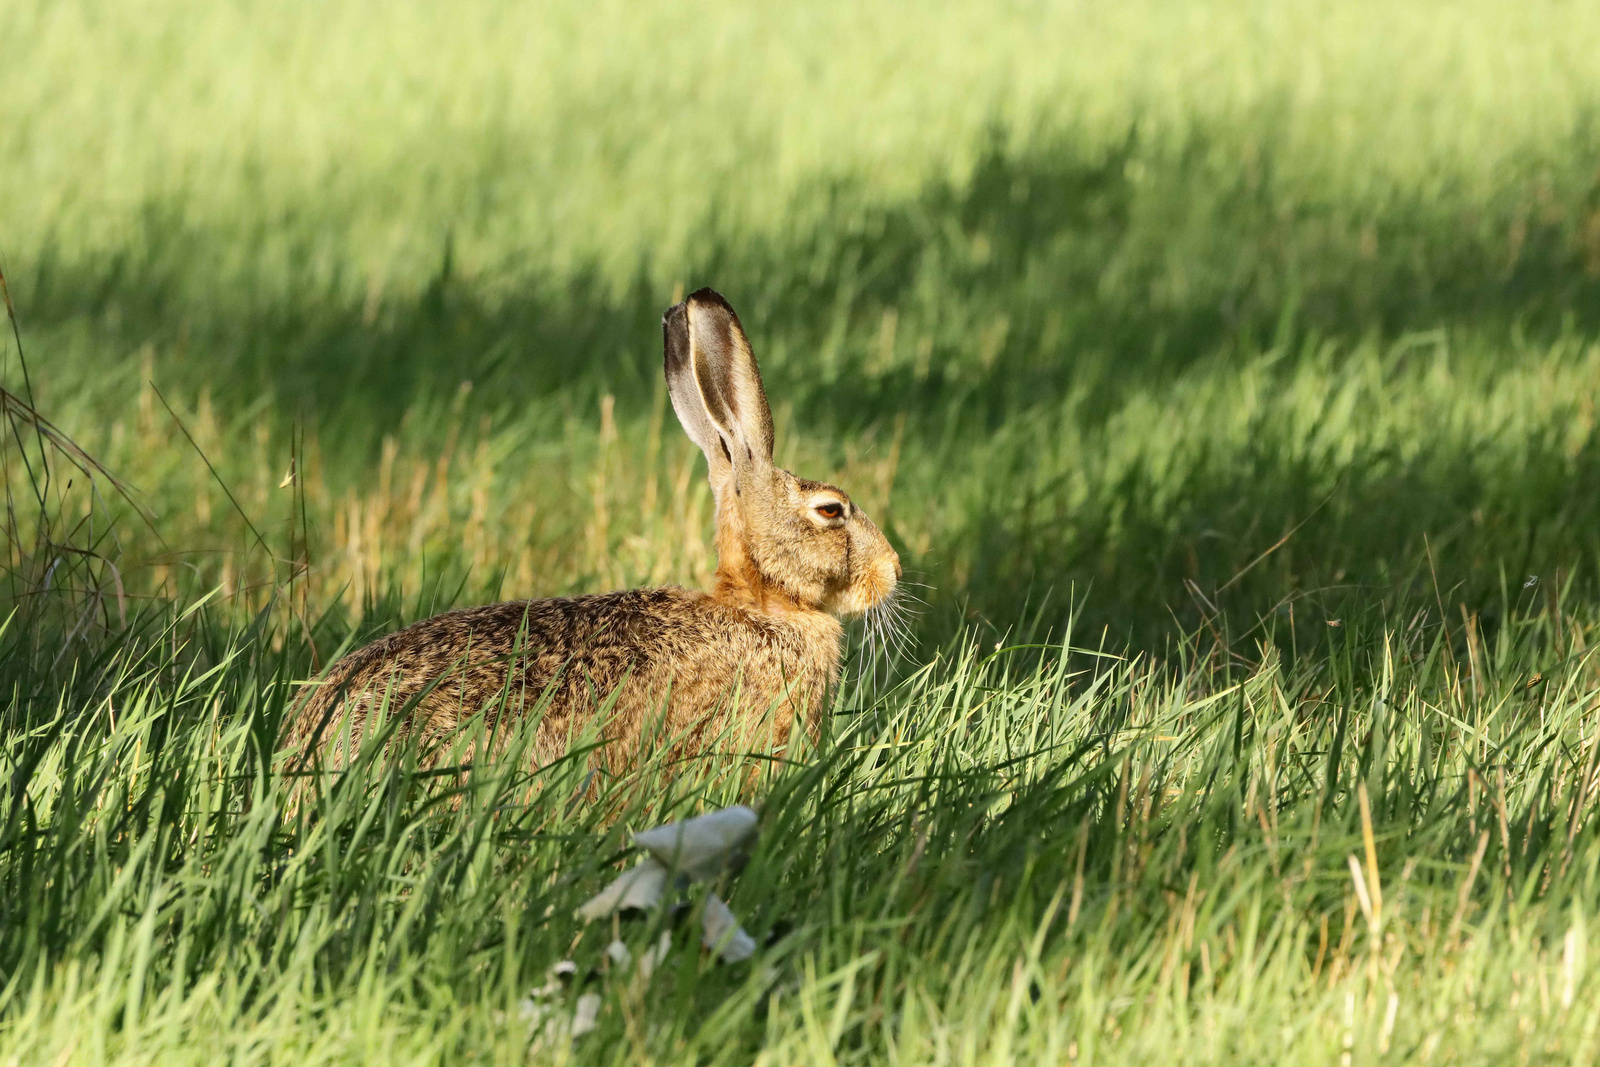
<point x="730" y="669"/>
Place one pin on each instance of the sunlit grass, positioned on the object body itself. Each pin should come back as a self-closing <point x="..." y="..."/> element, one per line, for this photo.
<point x="1017" y="852"/>
<point x="617" y="133"/>
<point x="1226" y="375"/>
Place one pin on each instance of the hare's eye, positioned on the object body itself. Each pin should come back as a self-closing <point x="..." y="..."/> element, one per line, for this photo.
<point x="830" y="510"/>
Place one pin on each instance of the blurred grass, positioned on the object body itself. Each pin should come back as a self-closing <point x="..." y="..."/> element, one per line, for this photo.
<point x="1261" y="340"/>
<point x="988" y="298"/>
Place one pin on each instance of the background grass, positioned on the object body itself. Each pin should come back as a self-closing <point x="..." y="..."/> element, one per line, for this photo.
<point x="1257" y="342"/>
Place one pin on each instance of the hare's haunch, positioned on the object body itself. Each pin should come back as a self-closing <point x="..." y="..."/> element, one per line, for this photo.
<point x="733" y="667"/>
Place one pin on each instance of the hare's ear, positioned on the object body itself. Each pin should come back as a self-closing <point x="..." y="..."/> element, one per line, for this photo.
<point x="715" y="385"/>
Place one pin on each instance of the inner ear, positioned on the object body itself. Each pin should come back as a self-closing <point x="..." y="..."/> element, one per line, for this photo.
<point x="688" y="403"/>
<point x="728" y="377"/>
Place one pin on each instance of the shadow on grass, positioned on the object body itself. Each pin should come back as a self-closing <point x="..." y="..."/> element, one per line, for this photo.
<point x="1053" y="272"/>
<point x="1265" y="548"/>
<point x="1123" y="266"/>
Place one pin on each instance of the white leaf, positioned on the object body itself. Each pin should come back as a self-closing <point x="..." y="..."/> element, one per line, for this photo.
<point x="585" y="1018"/>
<point x="722" y="932"/>
<point x="700" y="847"/>
<point x="641" y="887"/>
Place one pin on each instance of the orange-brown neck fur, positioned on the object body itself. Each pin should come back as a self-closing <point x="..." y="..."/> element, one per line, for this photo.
<point x="739" y="581"/>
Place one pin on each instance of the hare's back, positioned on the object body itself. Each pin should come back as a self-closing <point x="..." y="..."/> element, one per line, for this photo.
<point x="468" y="657"/>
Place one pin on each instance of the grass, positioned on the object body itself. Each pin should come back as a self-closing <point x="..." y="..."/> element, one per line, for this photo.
<point x="1227" y="371"/>
<point x="1029" y="852"/>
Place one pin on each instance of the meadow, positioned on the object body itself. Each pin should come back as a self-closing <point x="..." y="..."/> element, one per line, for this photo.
<point x="1225" y="374"/>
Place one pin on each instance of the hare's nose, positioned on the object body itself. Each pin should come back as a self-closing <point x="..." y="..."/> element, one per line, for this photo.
<point x="897" y="567"/>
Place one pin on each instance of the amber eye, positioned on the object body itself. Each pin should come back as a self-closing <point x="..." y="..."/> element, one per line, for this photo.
<point x="830" y="510"/>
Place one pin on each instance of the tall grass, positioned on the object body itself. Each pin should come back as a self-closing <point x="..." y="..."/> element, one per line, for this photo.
<point x="1026" y="851"/>
<point x="1227" y="372"/>
<point x="1053" y="341"/>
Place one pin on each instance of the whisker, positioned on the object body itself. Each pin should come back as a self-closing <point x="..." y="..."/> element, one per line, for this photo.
<point x="892" y="627"/>
<point x="885" y="625"/>
<point x="886" y="635"/>
<point x="899" y="635"/>
<point x="881" y="643"/>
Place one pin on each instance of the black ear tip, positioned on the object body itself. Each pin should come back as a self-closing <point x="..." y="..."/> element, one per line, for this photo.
<point x="705" y="296"/>
<point x="709" y="296"/>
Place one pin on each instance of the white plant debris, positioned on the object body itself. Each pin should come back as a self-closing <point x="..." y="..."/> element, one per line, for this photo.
<point x="679" y="854"/>
<point x="702" y="847"/>
<point x="641" y="888"/>
<point x="696" y="850"/>
<point x="723" y="934"/>
<point x="546" y="1024"/>
<point x="585" y="1018"/>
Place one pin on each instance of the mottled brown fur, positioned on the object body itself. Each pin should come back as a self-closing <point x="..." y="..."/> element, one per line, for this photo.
<point x="733" y="668"/>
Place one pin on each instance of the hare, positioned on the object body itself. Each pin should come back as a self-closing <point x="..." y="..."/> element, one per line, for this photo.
<point x="733" y="668"/>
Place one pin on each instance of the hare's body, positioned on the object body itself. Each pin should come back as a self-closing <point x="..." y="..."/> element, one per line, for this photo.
<point x="671" y="658"/>
<point x="731" y="669"/>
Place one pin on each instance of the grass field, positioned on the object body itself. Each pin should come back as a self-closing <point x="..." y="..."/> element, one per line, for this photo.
<point x="1227" y="372"/>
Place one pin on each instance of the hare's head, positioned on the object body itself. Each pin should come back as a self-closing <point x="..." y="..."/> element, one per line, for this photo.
<point x="781" y="540"/>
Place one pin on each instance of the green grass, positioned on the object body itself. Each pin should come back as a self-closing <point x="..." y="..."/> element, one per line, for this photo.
<point x="1017" y="852"/>
<point x="1253" y="347"/>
